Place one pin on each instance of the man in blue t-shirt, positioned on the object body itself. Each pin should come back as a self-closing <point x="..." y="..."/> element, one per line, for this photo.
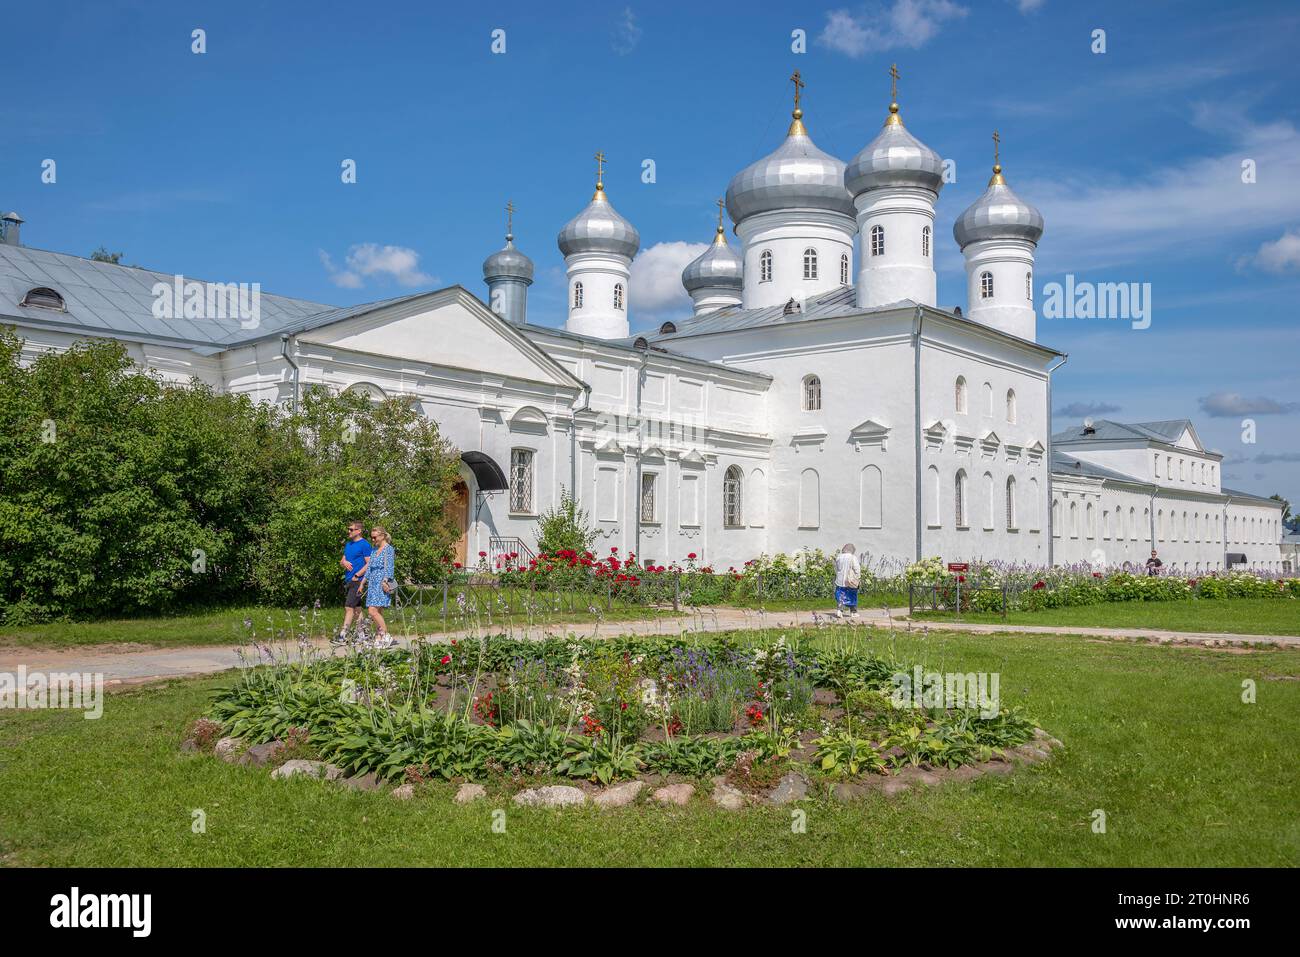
<point x="356" y="556"/>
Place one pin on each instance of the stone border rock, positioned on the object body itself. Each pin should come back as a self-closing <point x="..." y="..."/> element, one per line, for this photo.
<point x="792" y="788"/>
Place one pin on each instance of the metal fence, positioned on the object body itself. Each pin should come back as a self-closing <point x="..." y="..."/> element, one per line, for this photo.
<point x="954" y="596"/>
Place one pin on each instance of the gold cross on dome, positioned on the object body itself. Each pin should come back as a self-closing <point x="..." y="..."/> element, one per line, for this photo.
<point x="996" y="141"/>
<point x="893" y="81"/>
<point x="600" y="167"/>
<point x="799" y="84"/>
<point x="510" y="216"/>
<point x="721" y="205"/>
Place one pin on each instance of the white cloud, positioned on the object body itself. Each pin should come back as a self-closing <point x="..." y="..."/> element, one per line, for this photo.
<point x="1077" y="410"/>
<point x="1029" y="6"/>
<point x="372" y="261"/>
<point x="656" y="283"/>
<point x="1199" y="204"/>
<point x="1233" y="404"/>
<point x="906" y="23"/>
<point x="627" y="33"/>
<point x="1282" y="255"/>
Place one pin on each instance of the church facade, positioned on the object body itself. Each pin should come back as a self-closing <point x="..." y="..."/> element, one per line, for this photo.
<point x="816" y="396"/>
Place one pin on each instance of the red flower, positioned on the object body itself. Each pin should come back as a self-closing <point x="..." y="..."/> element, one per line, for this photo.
<point x="1038" y="585"/>
<point x="691" y="556"/>
<point x="446" y="659"/>
<point x="482" y="554"/>
<point x="457" y="565"/>
<point x="612" y="550"/>
<point x="623" y="706"/>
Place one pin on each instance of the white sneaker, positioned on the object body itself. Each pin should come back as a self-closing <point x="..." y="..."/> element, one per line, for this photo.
<point x="385" y="641"/>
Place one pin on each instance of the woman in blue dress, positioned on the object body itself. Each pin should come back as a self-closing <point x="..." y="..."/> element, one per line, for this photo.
<point x="380" y="583"/>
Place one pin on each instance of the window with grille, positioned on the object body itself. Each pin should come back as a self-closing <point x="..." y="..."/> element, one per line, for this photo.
<point x="733" y="487"/>
<point x="959" y="499"/>
<point x="765" y="266"/>
<point x="1029" y="286"/>
<point x="618" y="295"/>
<point x="577" y="295"/>
<point x="1011" y="504"/>
<point x="521" y="480"/>
<point x="648" y="481"/>
<point x="925" y="241"/>
<point x="959" y="396"/>
<point x="986" y="285"/>
<point x="812" y="394"/>
<point x="810" y="263"/>
<point x="877" y="241"/>
<point x="844" y="270"/>
<point x="1011" y="406"/>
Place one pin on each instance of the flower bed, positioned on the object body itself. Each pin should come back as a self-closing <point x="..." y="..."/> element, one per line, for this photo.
<point x="751" y="710"/>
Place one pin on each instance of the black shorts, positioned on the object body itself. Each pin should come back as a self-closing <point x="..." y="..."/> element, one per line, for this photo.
<point x="353" y="596"/>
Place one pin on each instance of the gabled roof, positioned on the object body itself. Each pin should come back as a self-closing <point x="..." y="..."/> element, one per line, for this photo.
<point x="108" y="299"/>
<point x="1167" y="432"/>
<point x="838" y="302"/>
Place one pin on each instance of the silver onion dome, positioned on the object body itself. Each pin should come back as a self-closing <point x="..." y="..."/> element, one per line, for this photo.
<point x="599" y="229"/>
<point x="508" y="263"/>
<point x="894" y="158"/>
<point x="718" y="265"/>
<point x="998" y="214"/>
<point x="796" y="176"/>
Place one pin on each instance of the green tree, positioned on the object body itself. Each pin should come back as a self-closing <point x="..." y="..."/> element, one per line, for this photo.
<point x="564" y="527"/>
<point x="102" y="255"/>
<point x="1286" y="507"/>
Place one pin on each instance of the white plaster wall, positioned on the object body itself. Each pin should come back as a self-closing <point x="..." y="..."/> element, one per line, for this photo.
<point x="787" y="233"/>
<point x="599" y="273"/>
<point x="903" y="272"/>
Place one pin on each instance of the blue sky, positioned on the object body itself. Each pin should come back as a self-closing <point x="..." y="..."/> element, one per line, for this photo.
<point x="226" y="165"/>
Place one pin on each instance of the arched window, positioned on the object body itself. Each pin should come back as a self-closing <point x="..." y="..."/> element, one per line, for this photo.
<point x="45" y="298"/>
<point x="1074" y="519"/>
<point x="1011" y="503"/>
<point x="877" y="241"/>
<point x="810" y="263"/>
<point x="812" y="394"/>
<point x="959" y="498"/>
<point x="733" y="489"/>
<point x="935" y="510"/>
<point x="1092" y="521"/>
<point x="990" y="524"/>
<point x="844" y="269"/>
<point x="986" y="285"/>
<point x="1133" y="524"/>
<point x="1029" y="286"/>
<point x="988" y="400"/>
<point x="577" y="295"/>
<point x="925" y="241"/>
<point x="618" y="295"/>
<point x="1011" y="406"/>
<point x="765" y="266"/>
<point x="1056" y="518"/>
<point x="810" y="508"/>
<point x="959" y="397"/>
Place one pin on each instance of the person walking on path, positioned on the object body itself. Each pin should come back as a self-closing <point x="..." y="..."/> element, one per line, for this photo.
<point x="848" y="574"/>
<point x="356" y="554"/>
<point x="380" y="584"/>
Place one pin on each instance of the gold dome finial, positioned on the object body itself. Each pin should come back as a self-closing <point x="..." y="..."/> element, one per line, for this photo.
<point x="997" y="179"/>
<point x="796" y="126"/>
<point x="893" y="119"/>
<point x="599" y="195"/>
<point x="720" y="239"/>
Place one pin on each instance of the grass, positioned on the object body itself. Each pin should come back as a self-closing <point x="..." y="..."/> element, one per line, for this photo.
<point x="1243" y="616"/>
<point x="226" y="626"/>
<point x="1157" y="737"/>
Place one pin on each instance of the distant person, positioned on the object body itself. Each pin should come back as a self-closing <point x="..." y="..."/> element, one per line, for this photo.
<point x="848" y="574"/>
<point x="380" y="584"/>
<point x="356" y="555"/>
<point x="1153" y="564"/>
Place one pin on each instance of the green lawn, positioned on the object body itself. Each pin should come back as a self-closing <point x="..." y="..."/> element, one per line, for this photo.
<point x="226" y="626"/>
<point x="1157" y="737"/>
<point x="1243" y="616"/>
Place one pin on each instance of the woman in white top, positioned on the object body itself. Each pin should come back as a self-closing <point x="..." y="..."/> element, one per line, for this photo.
<point x="848" y="573"/>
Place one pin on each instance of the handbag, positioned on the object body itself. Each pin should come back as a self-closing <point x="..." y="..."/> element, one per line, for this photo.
<point x="388" y="585"/>
<point x="851" y="580"/>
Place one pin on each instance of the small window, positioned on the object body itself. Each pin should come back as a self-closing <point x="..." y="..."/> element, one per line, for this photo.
<point x="1029" y="286"/>
<point x="959" y="396"/>
<point x="986" y="285"/>
<point x="1011" y="406"/>
<point x="812" y="394"/>
<point x="925" y="241"/>
<point x="877" y="241"/>
<point x="521" y="481"/>
<point x="733" y="485"/>
<point x="1011" y="503"/>
<point x="668" y="328"/>
<point x="648" y="482"/>
<point x="765" y="266"/>
<point x="810" y="263"/>
<point x="844" y="270"/>
<point x="45" y="298"/>
<point x="577" y="295"/>
<point x="959" y="498"/>
<point x="618" y="295"/>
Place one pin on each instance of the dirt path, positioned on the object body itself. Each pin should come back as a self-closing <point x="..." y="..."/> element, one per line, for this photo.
<point x="132" y="666"/>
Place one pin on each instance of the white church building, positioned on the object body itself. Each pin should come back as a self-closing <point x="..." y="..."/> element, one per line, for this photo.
<point x="816" y="396"/>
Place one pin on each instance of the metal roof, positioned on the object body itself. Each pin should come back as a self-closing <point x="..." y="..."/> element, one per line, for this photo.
<point x="106" y="298"/>
<point x="838" y="302"/>
<point x="1063" y="464"/>
<point x="1167" y="432"/>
